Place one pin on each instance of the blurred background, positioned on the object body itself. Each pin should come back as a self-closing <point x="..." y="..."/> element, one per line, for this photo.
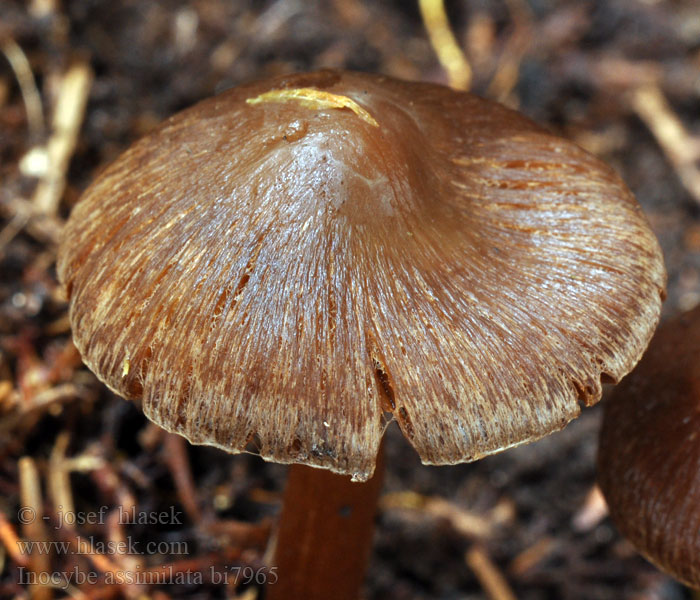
<point x="81" y="80"/>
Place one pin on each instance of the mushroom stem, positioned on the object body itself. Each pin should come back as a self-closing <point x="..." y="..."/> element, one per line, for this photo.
<point x="325" y="534"/>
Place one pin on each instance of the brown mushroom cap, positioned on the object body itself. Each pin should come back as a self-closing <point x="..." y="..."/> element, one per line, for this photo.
<point x="287" y="268"/>
<point x="649" y="457"/>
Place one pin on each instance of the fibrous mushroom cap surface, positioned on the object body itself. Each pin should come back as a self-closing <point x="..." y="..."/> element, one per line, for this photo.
<point x="287" y="273"/>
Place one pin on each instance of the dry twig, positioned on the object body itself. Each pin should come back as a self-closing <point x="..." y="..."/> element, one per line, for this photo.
<point x="532" y="556"/>
<point x="9" y="539"/>
<point x="11" y="229"/>
<point x="488" y="574"/>
<point x="27" y="84"/>
<point x="682" y="149"/>
<point x="32" y="516"/>
<point x="506" y="76"/>
<point x="449" y="53"/>
<point x="469" y="524"/>
<point x="593" y="511"/>
<point x="59" y="477"/>
<point x="179" y="465"/>
<point x="67" y="119"/>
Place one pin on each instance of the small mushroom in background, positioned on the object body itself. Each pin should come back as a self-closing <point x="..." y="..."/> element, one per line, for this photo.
<point x="297" y="262"/>
<point x="649" y="456"/>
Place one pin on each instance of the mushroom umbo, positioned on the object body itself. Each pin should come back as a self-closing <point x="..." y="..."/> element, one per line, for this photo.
<point x="649" y="455"/>
<point x="298" y="261"/>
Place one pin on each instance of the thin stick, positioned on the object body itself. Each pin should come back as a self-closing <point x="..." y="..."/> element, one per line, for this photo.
<point x="32" y="515"/>
<point x="593" y="511"/>
<point x="8" y="233"/>
<point x="44" y="228"/>
<point x="59" y="477"/>
<point x="9" y="539"/>
<point x="490" y="578"/>
<point x="682" y="149"/>
<point x="179" y="465"/>
<point x="532" y="556"/>
<point x="27" y="85"/>
<point x="67" y="119"/>
<point x="467" y="523"/>
<point x="443" y="41"/>
<point x="506" y="75"/>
